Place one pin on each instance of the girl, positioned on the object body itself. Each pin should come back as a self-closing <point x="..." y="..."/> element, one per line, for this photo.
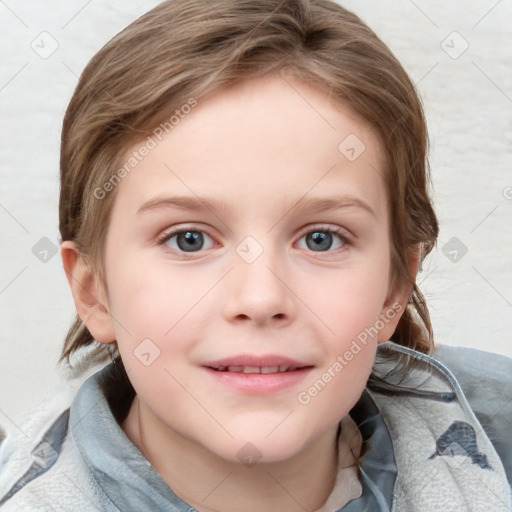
<point x="244" y="207"/>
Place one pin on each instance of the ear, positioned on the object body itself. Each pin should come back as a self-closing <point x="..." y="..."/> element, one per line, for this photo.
<point x="396" y="302"/>
<point x="90" y="299"/>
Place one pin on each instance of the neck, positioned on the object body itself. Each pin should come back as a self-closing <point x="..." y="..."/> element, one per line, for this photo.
<point x="209" y="483"/>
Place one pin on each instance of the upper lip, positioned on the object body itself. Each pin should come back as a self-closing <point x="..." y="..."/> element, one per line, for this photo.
<point x="247" y="360"/>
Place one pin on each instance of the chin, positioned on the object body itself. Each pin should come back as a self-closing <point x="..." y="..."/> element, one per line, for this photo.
<point x="250" y="450"/>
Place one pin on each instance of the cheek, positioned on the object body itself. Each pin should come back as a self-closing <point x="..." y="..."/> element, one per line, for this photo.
<point x="349" y="300"/>
<point x="350" y="309"/>
<point x="159" y="315"/>
<point x="150" y="298"/>
<point x="337" y="387"/>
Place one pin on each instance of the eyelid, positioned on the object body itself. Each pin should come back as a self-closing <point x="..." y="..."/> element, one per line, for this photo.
<point x="343" y="233"/>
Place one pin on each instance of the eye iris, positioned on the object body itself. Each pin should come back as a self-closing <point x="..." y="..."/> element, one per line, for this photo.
<point x="193" y="240"/>
<point x="320" y="240"/>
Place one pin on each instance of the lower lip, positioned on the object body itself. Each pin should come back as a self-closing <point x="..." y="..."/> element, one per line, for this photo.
<point x="259" y="383"/>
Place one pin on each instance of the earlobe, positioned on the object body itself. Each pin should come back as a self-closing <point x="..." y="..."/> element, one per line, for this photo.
<point x="89" y="299"/>
<point x="395" y="305"/>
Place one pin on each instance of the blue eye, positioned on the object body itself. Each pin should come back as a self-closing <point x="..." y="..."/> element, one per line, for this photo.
<point x="321" y="240"/>
<point x="186" y="240"/>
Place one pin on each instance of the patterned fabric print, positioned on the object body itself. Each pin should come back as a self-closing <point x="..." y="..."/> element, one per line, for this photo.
<point x="460" y="439"/>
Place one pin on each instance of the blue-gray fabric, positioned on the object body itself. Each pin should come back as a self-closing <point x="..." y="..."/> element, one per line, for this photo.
<point x="131" y="483"/>
<point x="490" y="398"/>
<point x="128" y="482"/>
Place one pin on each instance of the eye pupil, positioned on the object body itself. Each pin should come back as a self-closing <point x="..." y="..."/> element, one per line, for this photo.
<point x="320" y="240"/>
<point x="193" y="240"/>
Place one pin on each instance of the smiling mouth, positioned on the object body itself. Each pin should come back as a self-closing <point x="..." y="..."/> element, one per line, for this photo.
<point x="257" y="369"/>
<point x="258" y="375"/>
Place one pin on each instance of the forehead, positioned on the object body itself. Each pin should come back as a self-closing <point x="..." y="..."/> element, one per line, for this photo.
<point x="270" y="140"/>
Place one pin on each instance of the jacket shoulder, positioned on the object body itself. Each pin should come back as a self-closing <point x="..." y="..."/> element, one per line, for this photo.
<point x="41" y="468"/>
<point x="480" y="374"/>
<point x="486" y="381"/>
<point x="57" y="480"/>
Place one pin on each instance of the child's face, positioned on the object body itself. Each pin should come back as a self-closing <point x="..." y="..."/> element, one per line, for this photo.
<point x="253" y="284"/>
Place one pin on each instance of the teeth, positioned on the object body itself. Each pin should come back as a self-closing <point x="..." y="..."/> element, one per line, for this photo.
<point x="251" y="369"/>
<point x="270" y="369"/>
<point x="256" y="369"/>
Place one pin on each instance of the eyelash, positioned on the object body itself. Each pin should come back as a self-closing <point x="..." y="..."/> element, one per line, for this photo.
<point x="342" y="233"/>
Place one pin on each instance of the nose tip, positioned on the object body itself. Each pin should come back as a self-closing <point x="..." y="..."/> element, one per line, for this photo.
<point x="257" y="292"/>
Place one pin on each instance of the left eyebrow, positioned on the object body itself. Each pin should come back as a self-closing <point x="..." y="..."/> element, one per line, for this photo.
<point x="322" y="204"/>
<point x="312" y="205"/>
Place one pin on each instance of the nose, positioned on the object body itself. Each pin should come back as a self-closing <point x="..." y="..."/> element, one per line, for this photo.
<point x="260" y="292"/>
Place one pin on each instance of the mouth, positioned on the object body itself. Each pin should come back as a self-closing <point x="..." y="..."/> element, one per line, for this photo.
<point x="256" y="369"/>
<point x="246" y="363"/>
<point x="258" y="375"/>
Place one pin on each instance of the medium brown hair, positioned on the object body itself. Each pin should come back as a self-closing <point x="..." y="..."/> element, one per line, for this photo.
<point x="185" y="49"/>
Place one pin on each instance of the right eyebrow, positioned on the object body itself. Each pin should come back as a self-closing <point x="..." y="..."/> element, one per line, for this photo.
<point x="184" y="203"/>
